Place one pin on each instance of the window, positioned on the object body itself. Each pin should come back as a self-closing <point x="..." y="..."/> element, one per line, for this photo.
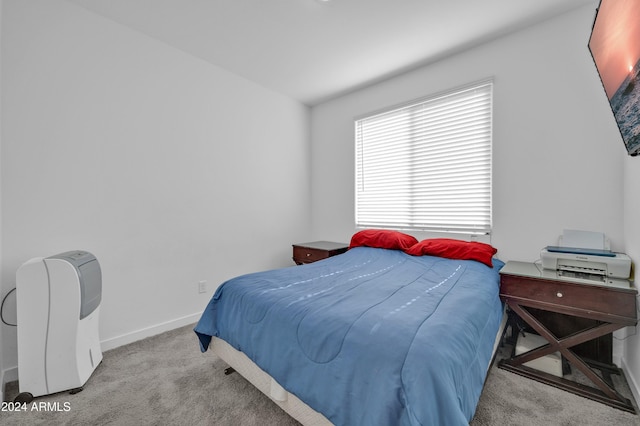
<point x="427" y="165"/>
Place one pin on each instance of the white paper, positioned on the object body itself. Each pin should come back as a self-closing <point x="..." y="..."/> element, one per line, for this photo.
<point x="583" y="239"/>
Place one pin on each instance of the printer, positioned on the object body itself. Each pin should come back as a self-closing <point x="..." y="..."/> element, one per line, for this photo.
<point x="585" y="256"/>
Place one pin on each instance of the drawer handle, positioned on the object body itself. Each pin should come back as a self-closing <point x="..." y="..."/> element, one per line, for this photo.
<point x="559" y="294"/>
<point x="308" y="254"/>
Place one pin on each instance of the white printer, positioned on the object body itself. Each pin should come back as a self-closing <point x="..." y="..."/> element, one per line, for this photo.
<point x="585" y="256"/>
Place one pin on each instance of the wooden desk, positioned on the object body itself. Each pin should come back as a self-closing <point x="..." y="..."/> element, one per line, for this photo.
<point x="526" y="290"/>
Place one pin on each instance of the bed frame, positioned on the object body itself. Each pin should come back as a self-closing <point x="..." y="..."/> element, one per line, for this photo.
<point x="290" y="403"/>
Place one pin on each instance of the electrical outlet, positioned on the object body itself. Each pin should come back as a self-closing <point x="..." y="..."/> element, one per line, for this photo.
<point x="202" y="286"/>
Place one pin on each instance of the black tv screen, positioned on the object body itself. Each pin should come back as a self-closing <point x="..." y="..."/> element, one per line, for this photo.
<point x="615" y="47"/>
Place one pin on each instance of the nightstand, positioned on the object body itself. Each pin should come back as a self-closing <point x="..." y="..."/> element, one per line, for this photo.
<point x="316" y="250"/>
<point x="529" y="292"/>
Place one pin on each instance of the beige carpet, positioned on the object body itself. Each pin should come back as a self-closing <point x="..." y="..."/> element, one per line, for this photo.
<point x="165" y="380"/>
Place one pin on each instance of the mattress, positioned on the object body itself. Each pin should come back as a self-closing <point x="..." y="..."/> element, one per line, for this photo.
<point x="372" y="336"/>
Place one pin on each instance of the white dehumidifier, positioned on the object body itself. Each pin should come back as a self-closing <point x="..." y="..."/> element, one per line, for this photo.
<point x="58" y="304"/>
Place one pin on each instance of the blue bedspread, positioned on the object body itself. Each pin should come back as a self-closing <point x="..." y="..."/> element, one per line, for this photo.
<point x="369" y="337"/>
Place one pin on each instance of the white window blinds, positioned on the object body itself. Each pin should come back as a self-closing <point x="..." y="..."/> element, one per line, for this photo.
<point x="427" y="165"/>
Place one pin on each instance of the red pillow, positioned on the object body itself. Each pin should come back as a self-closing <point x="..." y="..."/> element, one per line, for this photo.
<point x="454" y="249"/>
<point x="382" y="238"/>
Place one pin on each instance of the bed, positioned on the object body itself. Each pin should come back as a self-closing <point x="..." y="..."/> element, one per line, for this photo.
<point x="383" y="334"/>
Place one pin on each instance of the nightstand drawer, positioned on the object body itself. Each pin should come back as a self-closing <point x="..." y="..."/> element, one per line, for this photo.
<point x="317" y="250"/>
<point x="563" y="296"/>
<point x="306" y="254"/>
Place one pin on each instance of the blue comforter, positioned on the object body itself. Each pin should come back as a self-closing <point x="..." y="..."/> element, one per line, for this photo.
<point x="369" y="337"/>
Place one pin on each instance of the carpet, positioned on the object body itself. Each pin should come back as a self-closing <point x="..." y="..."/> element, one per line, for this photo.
<point x="166" y="380"/>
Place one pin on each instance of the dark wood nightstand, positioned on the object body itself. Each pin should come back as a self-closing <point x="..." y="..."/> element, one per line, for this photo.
<point x="316" y="250"/>
<point x="529" y="291"/>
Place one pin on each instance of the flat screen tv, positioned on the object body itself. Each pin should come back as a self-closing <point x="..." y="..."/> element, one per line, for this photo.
<point x="615" y="47"/>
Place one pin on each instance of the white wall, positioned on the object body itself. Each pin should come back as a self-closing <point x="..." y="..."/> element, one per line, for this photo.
<point x="559" y="161"/>
<point x="168" y="169"/>
<point x="557" y="157"/>
<point x="631" y="358"/>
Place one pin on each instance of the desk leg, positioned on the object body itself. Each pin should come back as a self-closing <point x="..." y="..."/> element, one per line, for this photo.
<point x="607" y="394"/>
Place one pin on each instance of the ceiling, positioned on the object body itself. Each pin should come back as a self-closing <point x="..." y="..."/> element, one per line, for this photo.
<point x="313" y="50"/>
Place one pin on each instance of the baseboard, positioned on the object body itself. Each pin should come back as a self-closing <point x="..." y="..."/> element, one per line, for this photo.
<point x="11" y="374"/>
<point x="134" y="336"/>
<point x="634" y="385"/>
